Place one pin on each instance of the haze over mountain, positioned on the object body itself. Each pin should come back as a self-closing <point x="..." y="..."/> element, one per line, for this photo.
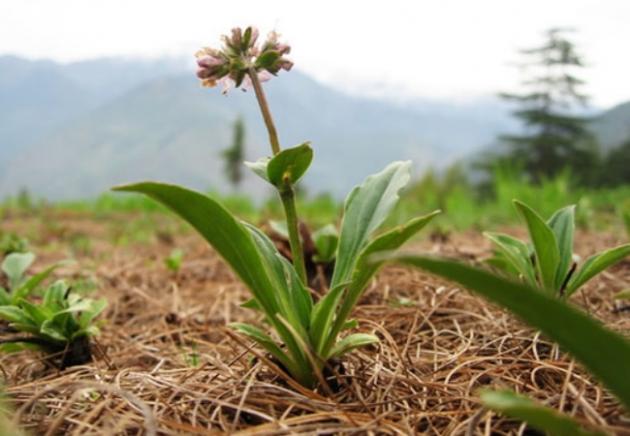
<point x="74" y="130"/>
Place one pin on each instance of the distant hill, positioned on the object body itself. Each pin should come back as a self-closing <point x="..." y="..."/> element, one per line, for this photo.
<point x="612" y="127"/>
<point x="74" y="130"/>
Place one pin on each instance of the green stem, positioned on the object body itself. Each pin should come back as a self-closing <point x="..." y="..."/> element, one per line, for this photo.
<point x="288" y="201"/>
<point x="287" y="194"/>
<point x="266" y="113"/>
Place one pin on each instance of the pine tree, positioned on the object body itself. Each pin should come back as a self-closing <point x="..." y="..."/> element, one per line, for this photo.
<point x="555" y="136"/>
<point x="235" y="154"/>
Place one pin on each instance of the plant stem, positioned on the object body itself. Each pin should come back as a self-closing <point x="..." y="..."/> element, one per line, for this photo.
<point x="266" y="113"/>
<point x="287" y="194"/>
<point x="288" y="201"/>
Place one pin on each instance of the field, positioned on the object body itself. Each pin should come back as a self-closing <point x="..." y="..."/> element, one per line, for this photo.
<point x="166" y="363"/>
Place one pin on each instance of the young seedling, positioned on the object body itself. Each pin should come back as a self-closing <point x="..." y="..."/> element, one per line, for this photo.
<point x="547" y="262"/>
<point x="12" y="243"/>
<point x="307" y="333"/>
<point x="174" y="261"/>
<point x="60" y="324"/>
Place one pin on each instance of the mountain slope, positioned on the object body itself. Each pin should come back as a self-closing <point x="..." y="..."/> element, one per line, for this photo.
<point x="171" y="129"/>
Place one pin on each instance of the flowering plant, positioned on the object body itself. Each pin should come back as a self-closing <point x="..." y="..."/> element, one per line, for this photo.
<point x="307" y="332"/>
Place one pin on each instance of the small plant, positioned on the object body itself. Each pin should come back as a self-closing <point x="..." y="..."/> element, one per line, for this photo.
<point x="12" y="243"/>
<point x="307" y="331"/>
<point x="174" y="260"/>
<point x="547" y="263"/>
<point x="59" y="324"/>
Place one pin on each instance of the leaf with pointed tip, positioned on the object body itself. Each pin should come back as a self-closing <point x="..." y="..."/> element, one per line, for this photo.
<point x="596" y="264"/>
<point x="96" y="308"/>
<point x="536" y="415"/>
<point x="545" y="245"/>
<point x="365" y="209"/>
<point x="14" y="314"/>
<point x="15" y="265"/>
<point x="365" y="268"/>
<point x="351" y="342"/>
<point x="265" y="341"/>
<point x="322" y="316"/>
<point x="259" y="167"/>
<point x="516" y="253"/>
<point x="602" y="351"/>
<point x="26" y="288"/>
<point x="289" y="165"/>
<point x="563" y="225"/>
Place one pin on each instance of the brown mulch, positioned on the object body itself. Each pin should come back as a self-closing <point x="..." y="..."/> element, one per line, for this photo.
<point x="166" y="364"/>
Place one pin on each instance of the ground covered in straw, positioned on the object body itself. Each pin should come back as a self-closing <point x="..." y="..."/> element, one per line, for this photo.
<point x="166" y="363"/>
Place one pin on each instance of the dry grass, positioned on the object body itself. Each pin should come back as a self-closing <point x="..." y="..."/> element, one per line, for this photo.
<point x="167" y="365"/>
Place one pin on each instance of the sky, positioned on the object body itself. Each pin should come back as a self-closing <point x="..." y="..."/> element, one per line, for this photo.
<point x="447" y="49"/>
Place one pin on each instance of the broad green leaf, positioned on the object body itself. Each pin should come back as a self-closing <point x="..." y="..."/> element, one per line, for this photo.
<point x="14" y="314"/>
<point x="604" y="352"/>
<point x="15" y="265"/>
<point x="322" y="316"/>
<point x="37" y="313"/>
<point x="365" y="268"/>
<point x="266" y="342"/>
<point x="289" y="165"/>
<point x="96" y="308"/>
<point x="259" y="167"/>
<point x="26" y="288"/>
<point x="55" y="296"/>
<point x="563" y="225"/>
<point x="326" y="240"/>
<point x="221" y="229"/>
<point x="48" y="328"/>
<point x="516" y="253"/>
<point x="350" y="324"/>
<point x="365" y="209"/>
<point x="232" y="240"/>
<point x="351" y="342"/>
<point x="5" y="298"/>
<point x="300" y="298"/>
<point x="596" y="264"/>
<point x="536" y="415"/>
<point x="545" y="245"/>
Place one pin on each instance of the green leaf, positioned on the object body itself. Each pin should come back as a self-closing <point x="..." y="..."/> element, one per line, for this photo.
<point x="299" y="296"/>
<point x="266" y="342"/>
<point x="279" y="227"/>
<point x="351" y="342"/>
<point x="37" y="313"/>
<point x="289" y="165"/>
<point x="15" y="265"/>
<point x="252" y="304"/>
<point x="259" y="167"/>
<point x="50" y="329"/>
<point x="14" y="314"/>
<point x="605" y="353"/>
<point x="365" y="268"/>
<point x="516" y="253"/>
<point x="235" y="243"/>
<point x="365" y="209"/>
<point x="32" y="283"/>
<point x="563" y="225"/>
<point x="536" y="415"/>
<point x="596" y="264"/>
<point x="322" y="316"/>
<point x="96" y="308"/>
<point x="5" y="297"/>
<point x="55" y="296"/>
<point x="545" y="245"/>
<point x="221" y="229"/>
<point x="326" y="240"/>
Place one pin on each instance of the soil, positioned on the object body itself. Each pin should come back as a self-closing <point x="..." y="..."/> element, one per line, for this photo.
<point x="166" y="364"/>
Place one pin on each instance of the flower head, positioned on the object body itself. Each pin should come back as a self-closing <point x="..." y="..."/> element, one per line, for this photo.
<point x="231" y="65"/>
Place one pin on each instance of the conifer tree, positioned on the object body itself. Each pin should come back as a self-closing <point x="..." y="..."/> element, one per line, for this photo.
<point x="235" y="154"/>
<point x="555" y="136"/>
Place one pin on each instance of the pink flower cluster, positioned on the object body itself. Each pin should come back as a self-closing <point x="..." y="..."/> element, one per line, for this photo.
<point x="231" y="65"/>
